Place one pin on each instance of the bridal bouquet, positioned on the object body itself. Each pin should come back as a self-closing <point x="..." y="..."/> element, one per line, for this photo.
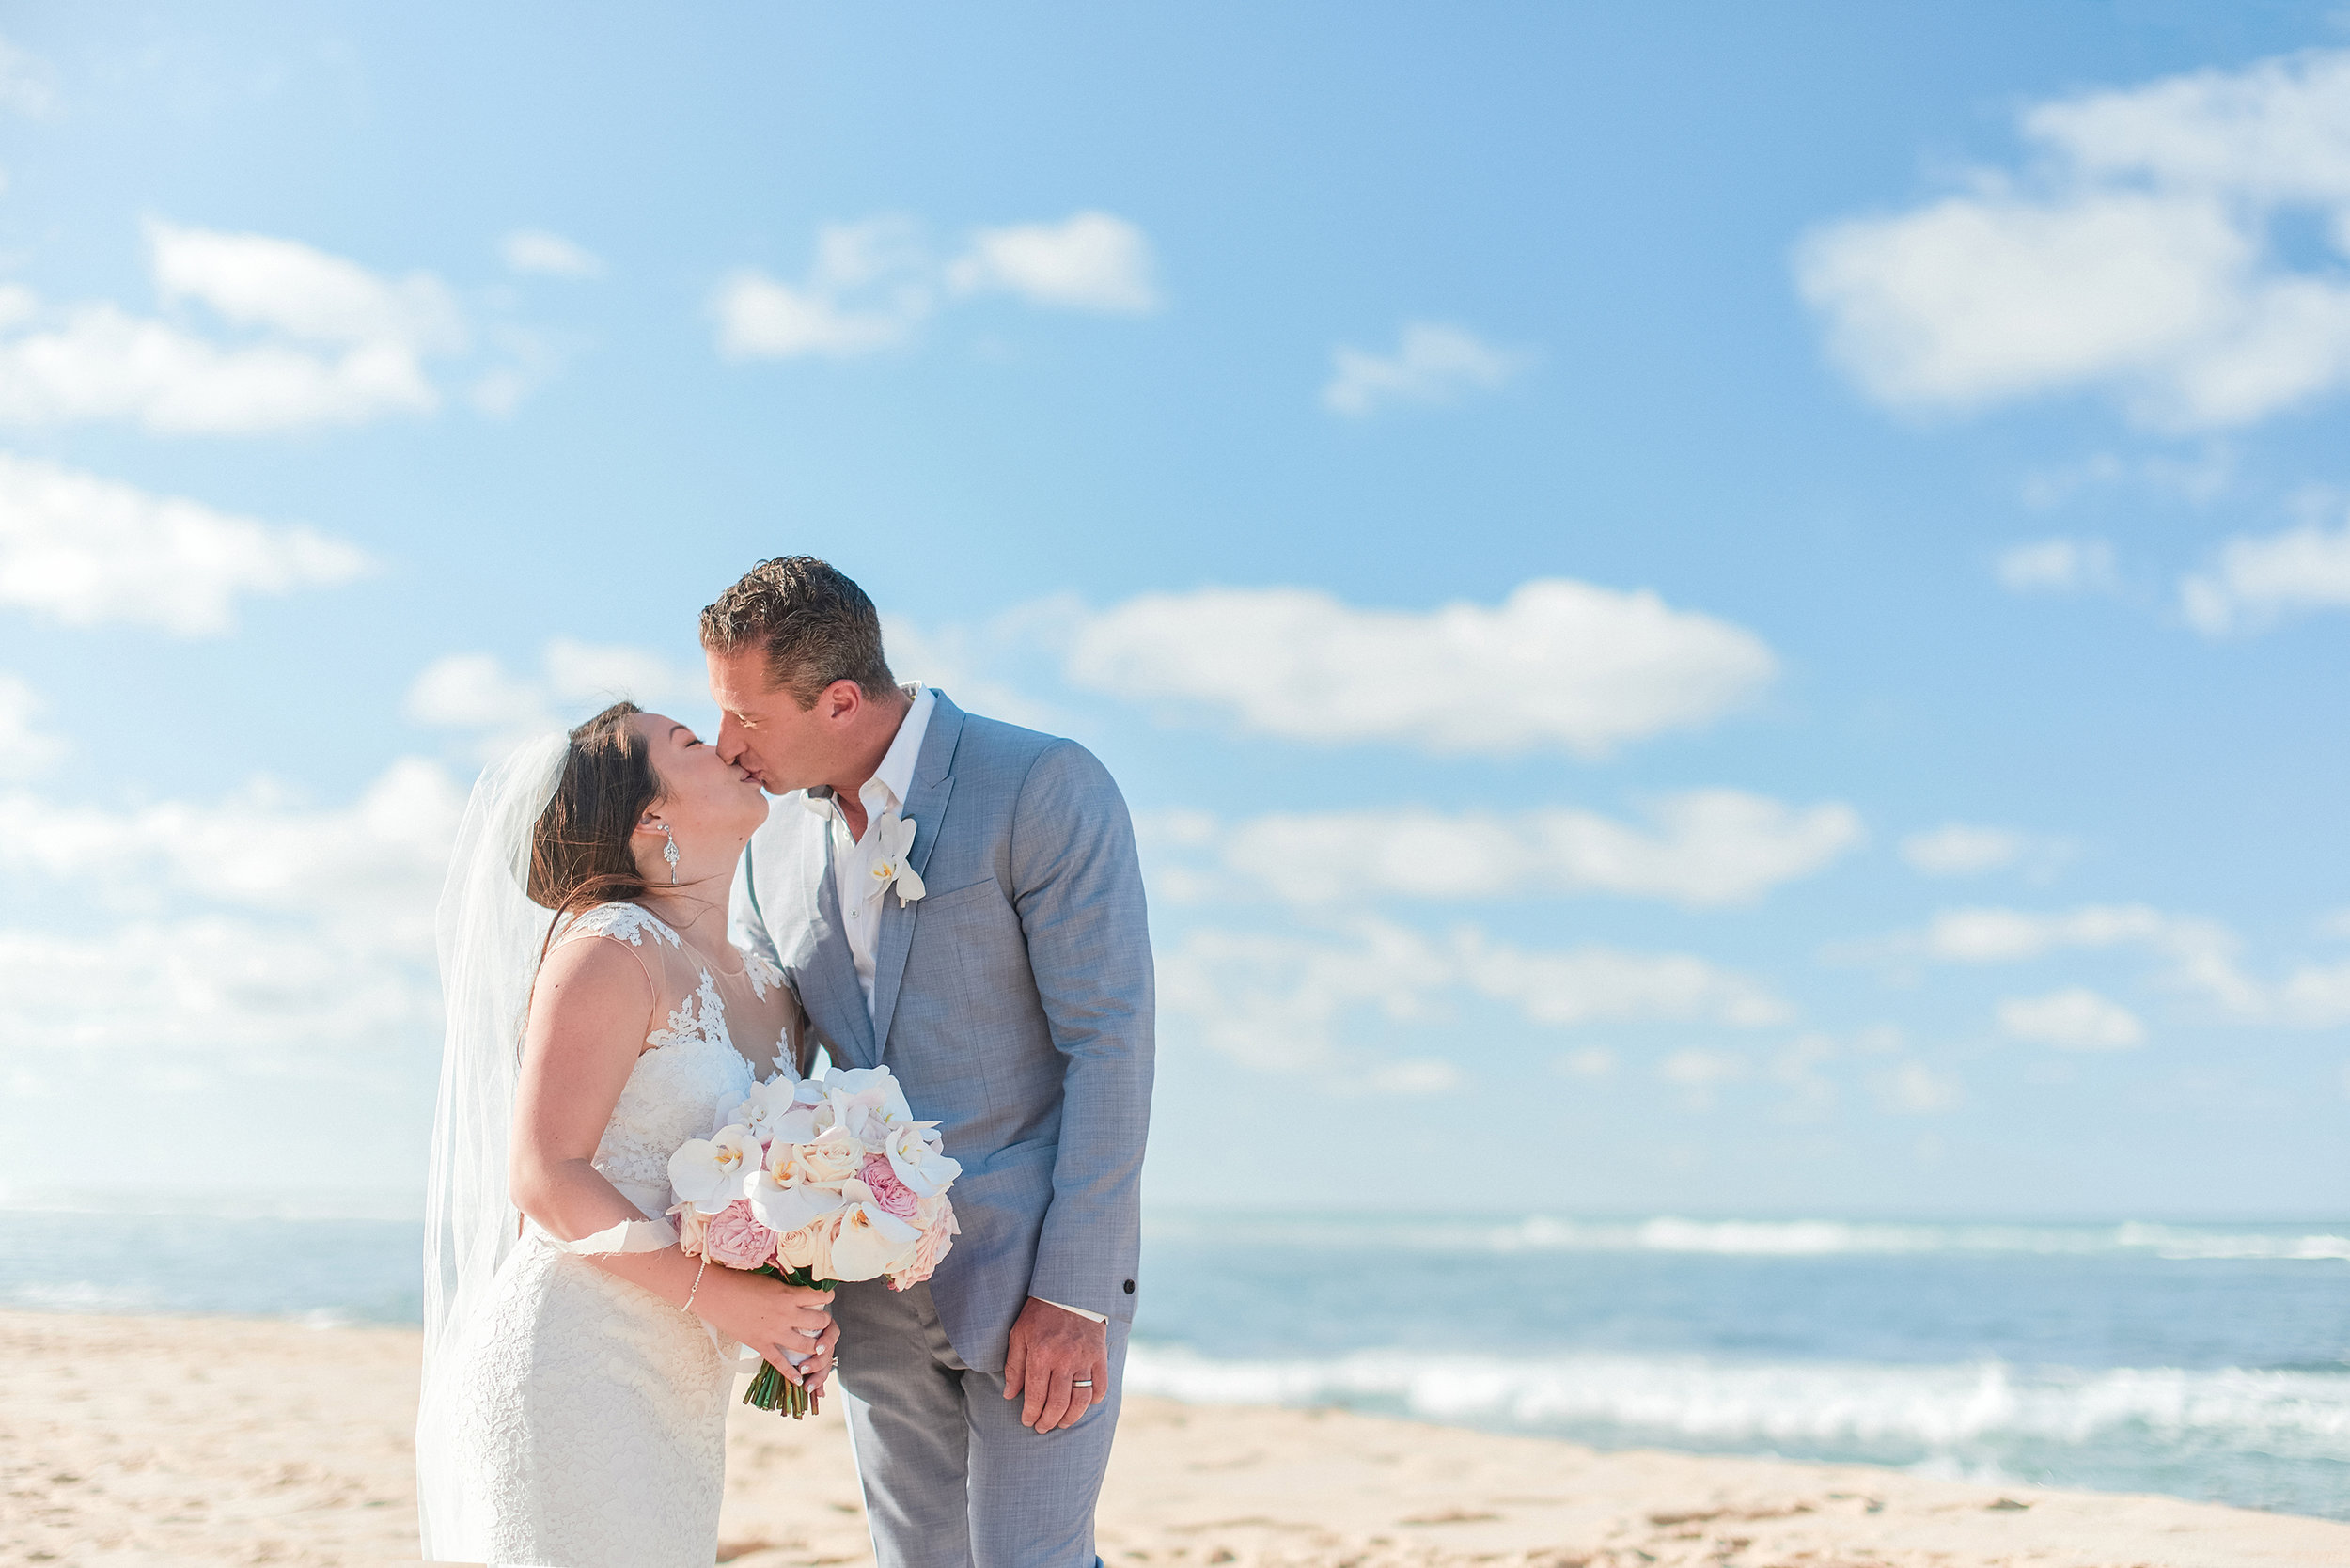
<point x="817" y="1183"/>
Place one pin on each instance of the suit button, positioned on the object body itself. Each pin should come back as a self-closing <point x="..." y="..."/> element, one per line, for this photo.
<point x="1130" y="1287"/>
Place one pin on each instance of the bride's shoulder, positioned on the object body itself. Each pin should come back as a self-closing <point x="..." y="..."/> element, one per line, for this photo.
<point x="623" y="922"/>
<point x="763" y="975"/>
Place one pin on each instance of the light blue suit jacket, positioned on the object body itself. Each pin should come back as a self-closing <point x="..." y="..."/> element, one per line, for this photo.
<point x="1014" y="1002"/>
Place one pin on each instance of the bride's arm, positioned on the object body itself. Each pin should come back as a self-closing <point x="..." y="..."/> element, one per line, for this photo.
<point x="589" y="1019"/>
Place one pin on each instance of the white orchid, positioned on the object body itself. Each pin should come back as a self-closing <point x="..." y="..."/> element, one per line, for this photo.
<point x="914" y="1156"/>
<point x="894" y="837"/>
<point x="765" y="1106"/>
<point x="868" y="1101"/>
<point x="782" y="1197"/>
<point x="869" y="1242"/>
<point x="709" y="1172"/>
<point x="794" y="1102"/>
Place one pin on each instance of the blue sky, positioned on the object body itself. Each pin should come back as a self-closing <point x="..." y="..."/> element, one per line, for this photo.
<point x="1754" y="602"/>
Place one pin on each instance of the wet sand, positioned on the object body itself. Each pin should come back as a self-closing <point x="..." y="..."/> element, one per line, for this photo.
<point x="184" y="1441"/>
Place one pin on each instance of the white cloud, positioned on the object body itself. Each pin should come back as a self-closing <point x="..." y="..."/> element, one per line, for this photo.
<point x="872" y="283"/>
<point x="2197" y="478"/>
<point x="955" y="659"/>
<point x="90" y="550"/>
<point x="337" y="344"/>
<point x="2201" y="952"/>
<point x="2138" y="255"/>
<point x="27" y="84"/>
<point x="1701" y="1072"/>
<point x="1288" y="1002"/>
<point x="1420" y="1076"/>
<point x="2075" y="1019"/>
<point x="2057" y="566"/>
<point x="259" y="281"/>
<point x="1087" y="262"/>
<point x="261" y="931"/>
<point x="475" y="691"/>
<point x="99" y="362"/>
<point x="1705" y="847"/>
<point x="1998" y="936"/>
<point x="370" y="870"/>
<point x="2316" y="995"/>
<point x="26" y="749"/>
<point x="1558" y="664"/>
<point x="1433" y="363"/>
<point x="1967" y="849"/>
<point x="2200" y="956"/>
<point x="2257" y="581"/>
<point x="214" y="989"/>
<point x="1591" y="1061"/>
<point x="1593" y="986"/>
<point x="535" y="251"/>
<point x="1912" y="1089"/>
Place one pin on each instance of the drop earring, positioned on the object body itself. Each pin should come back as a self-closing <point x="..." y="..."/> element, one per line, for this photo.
<point x="669" y="850"/>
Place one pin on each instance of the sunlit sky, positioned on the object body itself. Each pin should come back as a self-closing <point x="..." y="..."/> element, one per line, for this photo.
<point x="1703" y="607"/>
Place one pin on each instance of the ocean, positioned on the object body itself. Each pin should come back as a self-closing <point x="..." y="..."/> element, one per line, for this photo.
<point x="2204" y="1361"/>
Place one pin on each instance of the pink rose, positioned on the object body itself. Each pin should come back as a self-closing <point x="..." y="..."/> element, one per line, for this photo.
<point x="936" y="1241"/>
<point x="735" y="1238"/>
<point x="890" y="1195"/>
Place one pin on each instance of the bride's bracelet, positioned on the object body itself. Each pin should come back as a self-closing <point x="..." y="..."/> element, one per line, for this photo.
<point x="687" y="1305"/>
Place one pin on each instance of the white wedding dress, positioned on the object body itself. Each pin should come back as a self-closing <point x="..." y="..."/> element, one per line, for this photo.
<point x="583" y="1417"/>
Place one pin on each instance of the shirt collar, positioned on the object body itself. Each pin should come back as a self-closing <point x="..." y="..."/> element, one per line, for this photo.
<point x="896" y="772"/>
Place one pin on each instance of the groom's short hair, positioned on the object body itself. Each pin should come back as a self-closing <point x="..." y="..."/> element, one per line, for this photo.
<point x="812" y="622"/>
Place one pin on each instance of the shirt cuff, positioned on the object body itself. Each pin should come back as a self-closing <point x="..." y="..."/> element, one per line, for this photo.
<point x="1089" y="1317"/>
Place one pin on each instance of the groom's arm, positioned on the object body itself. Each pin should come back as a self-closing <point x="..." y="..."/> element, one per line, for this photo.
<point x="1078" y="888"/>
<point x="744" y="921"/>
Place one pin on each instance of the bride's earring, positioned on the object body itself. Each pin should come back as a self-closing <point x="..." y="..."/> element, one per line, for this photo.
<point x="668" y="849"/>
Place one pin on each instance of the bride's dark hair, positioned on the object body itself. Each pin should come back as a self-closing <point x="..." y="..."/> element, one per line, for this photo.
<point x="580" y="854"/>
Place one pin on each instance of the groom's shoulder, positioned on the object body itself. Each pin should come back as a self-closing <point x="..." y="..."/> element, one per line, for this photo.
<point x="1013" y="755"/>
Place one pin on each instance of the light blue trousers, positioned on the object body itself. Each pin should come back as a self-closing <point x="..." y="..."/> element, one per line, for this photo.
<point x="951" y="1478"/>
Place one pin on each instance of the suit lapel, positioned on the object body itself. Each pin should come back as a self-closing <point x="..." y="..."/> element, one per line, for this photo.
<point x="840" y="1002"/>
<point x="926" y="803"/>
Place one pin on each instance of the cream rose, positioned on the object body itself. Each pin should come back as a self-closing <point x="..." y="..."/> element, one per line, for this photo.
<point x="692" y="1227"/>
<point x="833" y="1157"/>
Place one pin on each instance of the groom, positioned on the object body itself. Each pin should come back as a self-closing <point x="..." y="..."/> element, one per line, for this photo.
<point x="1008" y="985"/>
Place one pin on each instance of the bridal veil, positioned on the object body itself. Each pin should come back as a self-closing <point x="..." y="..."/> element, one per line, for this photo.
<point x="490" y="936"/>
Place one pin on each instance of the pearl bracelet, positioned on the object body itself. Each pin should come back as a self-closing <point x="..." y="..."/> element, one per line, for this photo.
<point x="688" y="1304"/>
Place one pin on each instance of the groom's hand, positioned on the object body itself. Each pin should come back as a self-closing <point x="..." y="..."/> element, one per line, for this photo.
<point x="1053" y="1349"/>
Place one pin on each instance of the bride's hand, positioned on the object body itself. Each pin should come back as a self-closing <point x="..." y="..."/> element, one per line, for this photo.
<point x="817" y="1370"/>
<point x="771" y="1317"/>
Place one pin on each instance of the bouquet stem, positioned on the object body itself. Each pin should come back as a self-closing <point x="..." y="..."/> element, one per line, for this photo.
<point x="770" y="1389"/>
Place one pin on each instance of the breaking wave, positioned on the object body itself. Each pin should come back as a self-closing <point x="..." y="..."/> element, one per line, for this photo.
<point x="1777" y="1238"/>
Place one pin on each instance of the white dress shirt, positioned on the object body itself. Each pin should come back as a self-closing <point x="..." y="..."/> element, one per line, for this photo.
<point x="852" y="858"/>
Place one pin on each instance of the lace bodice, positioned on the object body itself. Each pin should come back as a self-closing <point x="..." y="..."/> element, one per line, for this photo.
<point x="691" y="1072"/>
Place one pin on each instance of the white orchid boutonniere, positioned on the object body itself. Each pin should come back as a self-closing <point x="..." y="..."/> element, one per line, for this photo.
<point x="896" y="838"/>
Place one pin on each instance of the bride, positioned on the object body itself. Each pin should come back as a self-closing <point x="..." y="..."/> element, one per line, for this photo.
<point x="577" y="1365"/>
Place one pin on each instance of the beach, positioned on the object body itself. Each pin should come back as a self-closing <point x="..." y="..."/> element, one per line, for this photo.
<point x="162" y="1440"/>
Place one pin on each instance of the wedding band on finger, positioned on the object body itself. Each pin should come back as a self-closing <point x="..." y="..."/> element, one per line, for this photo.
<point x="1081" y="1383"/>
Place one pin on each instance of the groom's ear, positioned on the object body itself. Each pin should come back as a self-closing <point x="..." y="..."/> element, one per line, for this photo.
<point x="841" y="699"/>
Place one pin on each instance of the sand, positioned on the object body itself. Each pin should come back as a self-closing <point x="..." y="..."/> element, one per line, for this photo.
<point x="184" y="1441"/>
